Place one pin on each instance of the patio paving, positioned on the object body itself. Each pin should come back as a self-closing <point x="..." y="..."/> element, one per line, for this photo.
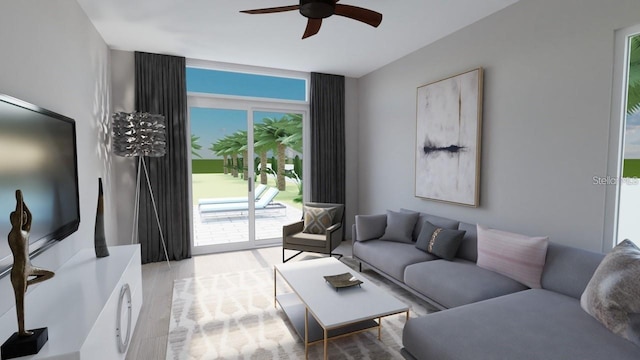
<point x="233" y="226"/>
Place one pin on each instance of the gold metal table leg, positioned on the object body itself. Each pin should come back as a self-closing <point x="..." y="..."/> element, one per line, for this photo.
<point x="326" y="342"/>
<point x="306" y="333"/>
<point x="380" y="328"/>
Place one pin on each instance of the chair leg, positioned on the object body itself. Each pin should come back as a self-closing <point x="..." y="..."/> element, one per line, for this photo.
<point x="283" y="259"/>
<point x="360" y="270"/>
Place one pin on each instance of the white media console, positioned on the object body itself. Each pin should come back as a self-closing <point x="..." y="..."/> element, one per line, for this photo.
<point x="85" y="306"/>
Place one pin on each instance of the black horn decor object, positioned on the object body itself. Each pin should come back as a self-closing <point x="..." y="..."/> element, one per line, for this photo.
<point x="99" y="240"/>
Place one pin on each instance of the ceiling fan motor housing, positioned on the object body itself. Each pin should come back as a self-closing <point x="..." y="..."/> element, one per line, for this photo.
<point x="317" y="9"/>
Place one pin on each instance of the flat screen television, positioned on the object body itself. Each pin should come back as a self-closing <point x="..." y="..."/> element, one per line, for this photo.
<point x="38" y="156"/>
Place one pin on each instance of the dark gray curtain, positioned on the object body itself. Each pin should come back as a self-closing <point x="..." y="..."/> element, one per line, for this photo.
<point x="160" y="82"/>
<point x="327" y="138"/>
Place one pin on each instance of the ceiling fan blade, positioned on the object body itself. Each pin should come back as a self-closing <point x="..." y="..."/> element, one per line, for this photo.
<point x="361" y="14"/>
<point x="313" y="26"/>
<point x="271" y="10"/>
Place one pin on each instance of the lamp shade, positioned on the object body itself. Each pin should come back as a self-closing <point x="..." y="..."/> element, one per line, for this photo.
<point x="138" y="134"/>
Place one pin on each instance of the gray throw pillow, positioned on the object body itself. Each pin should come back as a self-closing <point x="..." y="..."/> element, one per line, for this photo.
<point x="370" y="227"/>
<point x="400" y="226"/>
<point x="612" y="296"/>
<point x="443" y="243"/>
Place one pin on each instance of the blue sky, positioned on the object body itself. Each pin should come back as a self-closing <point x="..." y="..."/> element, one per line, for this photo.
<point x="242" y="84"/>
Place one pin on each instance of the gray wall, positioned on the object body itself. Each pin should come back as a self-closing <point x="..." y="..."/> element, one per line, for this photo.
<point x="547" y="98"/>
<point x="63" y="66"/>
<point x="124" y="169"/>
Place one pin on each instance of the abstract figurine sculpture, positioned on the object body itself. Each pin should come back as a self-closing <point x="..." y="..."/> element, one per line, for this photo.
<point x="22" y="268"/>
<point x="24" y="342"/>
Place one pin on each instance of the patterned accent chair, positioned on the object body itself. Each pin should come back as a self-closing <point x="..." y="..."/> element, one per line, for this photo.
<point x="295" y="238"/>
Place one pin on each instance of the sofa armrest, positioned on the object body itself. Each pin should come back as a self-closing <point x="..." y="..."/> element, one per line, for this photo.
<point x="292" y="228"/>
<point x="369" y="227"/>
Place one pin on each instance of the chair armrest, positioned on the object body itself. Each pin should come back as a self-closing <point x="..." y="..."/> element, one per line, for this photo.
<point x="334" y="235"/>
<point x="292" y="228"/>
<point x="369" y="227"/>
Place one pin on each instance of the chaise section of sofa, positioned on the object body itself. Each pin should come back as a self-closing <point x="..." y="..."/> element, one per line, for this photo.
<point x="536" y="324"/>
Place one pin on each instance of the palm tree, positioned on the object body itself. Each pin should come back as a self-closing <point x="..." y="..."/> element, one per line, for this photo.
<point x="195" y="146"/>
<point x="262" y="144"/>
<point x="221" y="148"/>
<point x="278" y="134"/>
<point x="237" y="144"/>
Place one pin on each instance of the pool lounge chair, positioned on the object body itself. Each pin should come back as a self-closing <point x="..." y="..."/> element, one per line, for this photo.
<point x="265" y="203"/>
<point x="256" y="193"/>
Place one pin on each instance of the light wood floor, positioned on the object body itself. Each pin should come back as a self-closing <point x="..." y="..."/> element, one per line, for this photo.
<point x="149" y="340"/>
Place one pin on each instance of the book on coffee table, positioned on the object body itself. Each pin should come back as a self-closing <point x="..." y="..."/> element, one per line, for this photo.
<point x="344" y="280"/>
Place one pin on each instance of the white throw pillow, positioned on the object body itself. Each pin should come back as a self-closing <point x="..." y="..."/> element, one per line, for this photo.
<point x="516" y="256"/>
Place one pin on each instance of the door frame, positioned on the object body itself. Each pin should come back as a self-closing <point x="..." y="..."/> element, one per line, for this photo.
<point x="250" y="106"/>
<point x="616" y="134"/>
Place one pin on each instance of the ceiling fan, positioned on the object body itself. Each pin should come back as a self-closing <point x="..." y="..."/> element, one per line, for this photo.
<point x="316" y="10"/>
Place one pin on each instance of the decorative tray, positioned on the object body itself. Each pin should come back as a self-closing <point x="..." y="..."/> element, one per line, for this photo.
<point x="342" y="280"/>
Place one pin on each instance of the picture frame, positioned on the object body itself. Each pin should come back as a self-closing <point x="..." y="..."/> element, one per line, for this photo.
<point x="448" y="139"/>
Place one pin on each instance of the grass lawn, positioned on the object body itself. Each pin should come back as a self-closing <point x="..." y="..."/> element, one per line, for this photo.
<point x="220" y="186"/>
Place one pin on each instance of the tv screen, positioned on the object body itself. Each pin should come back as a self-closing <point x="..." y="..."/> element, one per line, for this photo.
<point x="37" y="156"/>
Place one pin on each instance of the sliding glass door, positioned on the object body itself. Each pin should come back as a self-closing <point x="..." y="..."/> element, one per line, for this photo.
<point x="247" y="173"/>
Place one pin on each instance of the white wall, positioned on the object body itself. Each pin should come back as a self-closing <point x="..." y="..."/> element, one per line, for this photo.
<point x="124" y="169"/>
<point x="547" y="98"/>
<point x="53" y="57"/>
<point x="351" y="149"/>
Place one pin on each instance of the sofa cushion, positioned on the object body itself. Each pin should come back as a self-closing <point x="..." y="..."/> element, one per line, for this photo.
<point x="468" y="249"/>
<point x="370" y="227"/>
<point x="317" y="220"/>
<point x="315" y="240"/>
<point x="438" y="221"/>
<point x="458" y="282"/>
<point x="567" y="270"/>
<point x="400" y="226"/>
<point x="532" y="324"/>
<point x="517" y="256"/>
<point x="440" y="242"/>
<point x="389" y="257"/>
<point x="613" y="294"/>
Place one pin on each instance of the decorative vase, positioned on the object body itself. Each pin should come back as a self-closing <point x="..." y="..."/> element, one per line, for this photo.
<point x="100" y="241"/>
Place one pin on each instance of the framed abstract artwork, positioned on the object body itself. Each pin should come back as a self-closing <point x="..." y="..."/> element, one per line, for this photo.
<point x="448" y="132"/>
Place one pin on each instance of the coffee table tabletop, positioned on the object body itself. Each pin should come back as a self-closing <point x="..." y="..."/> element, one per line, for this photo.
<point x="337" y="311"/>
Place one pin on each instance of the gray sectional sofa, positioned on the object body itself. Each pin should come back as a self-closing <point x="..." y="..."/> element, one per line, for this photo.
<point x="487" y="315"/>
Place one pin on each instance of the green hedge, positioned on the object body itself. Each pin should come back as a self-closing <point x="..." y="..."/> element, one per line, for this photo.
<point x="631" y="168"/>
<point x="207" y="166"/>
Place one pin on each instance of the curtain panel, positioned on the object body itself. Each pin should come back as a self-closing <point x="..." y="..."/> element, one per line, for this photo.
<point x="327" y="105"/>
<point x="160" y="88"/>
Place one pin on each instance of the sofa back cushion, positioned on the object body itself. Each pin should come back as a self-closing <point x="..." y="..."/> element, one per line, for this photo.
<point x="568" y="270"/>
<point x="438" y="221"/>
<point x="468" y="249"/>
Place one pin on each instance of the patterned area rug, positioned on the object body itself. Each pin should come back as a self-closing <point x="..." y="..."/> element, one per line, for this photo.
<point x="232" y="316"/>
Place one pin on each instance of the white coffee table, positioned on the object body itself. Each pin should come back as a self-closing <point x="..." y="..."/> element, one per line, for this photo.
<point x="335" y="313"/>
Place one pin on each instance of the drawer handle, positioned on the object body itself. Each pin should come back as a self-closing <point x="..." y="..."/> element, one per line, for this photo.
<point x="123" y="342"/>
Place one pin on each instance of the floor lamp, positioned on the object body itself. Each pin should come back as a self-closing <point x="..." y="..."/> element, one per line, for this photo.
<point x="140" y="134"/>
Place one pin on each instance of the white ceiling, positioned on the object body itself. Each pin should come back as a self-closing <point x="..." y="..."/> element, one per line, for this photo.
<point x="215" y="30"/>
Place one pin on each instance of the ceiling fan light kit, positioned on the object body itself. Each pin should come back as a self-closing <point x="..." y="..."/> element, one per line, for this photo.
<point x="316" y="10"/>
